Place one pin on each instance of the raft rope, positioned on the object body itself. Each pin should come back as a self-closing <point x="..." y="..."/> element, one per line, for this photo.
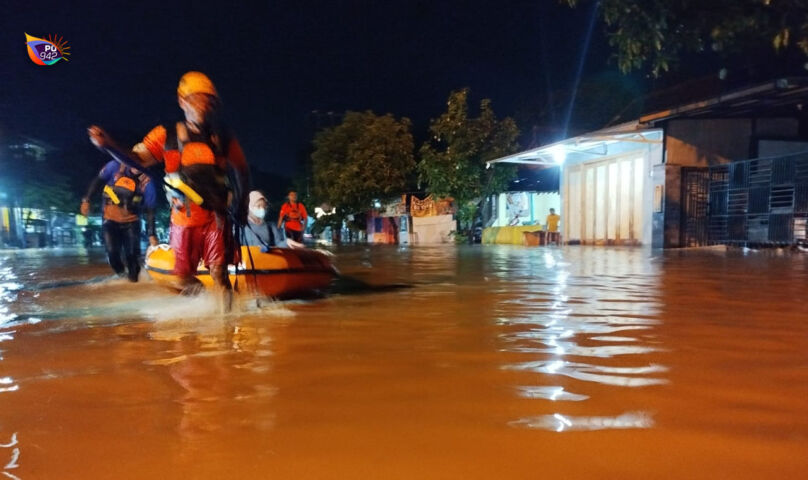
<point x="249" y="252"/>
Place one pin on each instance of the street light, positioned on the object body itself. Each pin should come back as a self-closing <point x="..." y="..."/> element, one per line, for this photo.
<point x="559" y="154"/>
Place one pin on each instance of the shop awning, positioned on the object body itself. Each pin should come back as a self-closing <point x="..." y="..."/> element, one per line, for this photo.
<point x="600" y="143"/>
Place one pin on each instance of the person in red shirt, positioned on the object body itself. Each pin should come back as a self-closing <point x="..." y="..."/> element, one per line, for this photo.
<point x="293" y="217"/>
<point x="204" y="161"/>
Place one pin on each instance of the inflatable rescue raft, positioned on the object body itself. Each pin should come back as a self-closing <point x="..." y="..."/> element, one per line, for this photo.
<point x="280" y="272"/>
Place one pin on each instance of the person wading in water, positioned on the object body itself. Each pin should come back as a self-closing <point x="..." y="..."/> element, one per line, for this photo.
<point x="208" y="177"/>
<point x="127" y="193"/>
<point x="293" y="217"/>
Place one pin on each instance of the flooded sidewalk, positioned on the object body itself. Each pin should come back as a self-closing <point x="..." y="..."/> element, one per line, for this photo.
<point x="494" y="362"/>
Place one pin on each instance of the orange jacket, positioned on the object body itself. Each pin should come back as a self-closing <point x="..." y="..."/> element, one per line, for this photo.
<point x="294" y="216"/>
<point x="193" y="152"/>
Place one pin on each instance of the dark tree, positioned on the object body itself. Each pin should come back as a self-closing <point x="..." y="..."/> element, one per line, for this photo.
<point x="453" y="160"/>
<point x="656" y="34"/>
<point x="366" y="157"/>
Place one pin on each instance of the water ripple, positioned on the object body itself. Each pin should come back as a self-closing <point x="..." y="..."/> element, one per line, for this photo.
<point x="550" y="393"/>
<point x="567" y="321"/>
<point x="595" y="373"/>
<point x="563" y="423"/>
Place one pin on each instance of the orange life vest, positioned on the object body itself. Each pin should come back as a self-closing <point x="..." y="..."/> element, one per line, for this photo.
<point x="199" y="162"/>
<point x="126" y="190"/>
<point x="293" y="213"/>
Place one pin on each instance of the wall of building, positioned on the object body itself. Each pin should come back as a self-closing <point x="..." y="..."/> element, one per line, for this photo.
<point x="672" y="214"/>
<point x="529" y="208"/>
<point x="705" y="142"/>
<point x="701" y="143"/>
<point x="382" y="230"/>
<point x="776" y="127"/>
<point x="432" y="230"/>
<point x="658" y="206"/>
<point x="776" y="148"/>
<point x="609" y="200"/>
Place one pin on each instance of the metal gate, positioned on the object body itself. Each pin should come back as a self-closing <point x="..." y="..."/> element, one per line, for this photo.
<point x="760" y="201"/>
<point x="695" y="206"/>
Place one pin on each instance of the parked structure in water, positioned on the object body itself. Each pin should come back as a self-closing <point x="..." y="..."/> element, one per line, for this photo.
<point x="648" y="181"/>
<point x="412" y="221"/>
<point x="508" y="217"/>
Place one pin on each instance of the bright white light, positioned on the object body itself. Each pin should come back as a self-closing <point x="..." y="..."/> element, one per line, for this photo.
<point x="559" y="154"/>
<point x="562" y="422"/>
<point x="319" y="212"/>
<point x="554" y="367"/>
<point x="12" y="442"/>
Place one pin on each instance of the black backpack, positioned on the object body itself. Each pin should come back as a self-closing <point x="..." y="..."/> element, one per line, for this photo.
<point x="126" y="190"/>
<point x="215" y="185"/>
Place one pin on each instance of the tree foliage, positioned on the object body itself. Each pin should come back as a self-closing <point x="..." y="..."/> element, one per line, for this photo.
<point x="43" y="182"/>
<point x="366" y="157"/>
<point x="656" y="33"/>
<point x="54" y="192"/>
<point x="453" y="159"/>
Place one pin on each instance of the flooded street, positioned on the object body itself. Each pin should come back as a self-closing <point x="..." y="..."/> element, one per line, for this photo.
<point x="487" y="362"/>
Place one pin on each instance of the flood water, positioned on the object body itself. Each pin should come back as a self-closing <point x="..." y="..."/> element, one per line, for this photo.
<point x="495" y="362"/>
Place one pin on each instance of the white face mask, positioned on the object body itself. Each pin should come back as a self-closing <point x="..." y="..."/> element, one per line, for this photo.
<point x="258" y="212"/>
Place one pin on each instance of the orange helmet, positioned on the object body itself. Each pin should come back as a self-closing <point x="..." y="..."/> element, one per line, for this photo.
<point x="195" y="82"/>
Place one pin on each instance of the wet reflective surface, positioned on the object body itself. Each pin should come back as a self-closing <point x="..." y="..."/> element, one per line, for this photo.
<point x="497" y="362"/>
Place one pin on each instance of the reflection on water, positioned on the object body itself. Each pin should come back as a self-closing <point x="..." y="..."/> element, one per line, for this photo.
<point x="561" y="423"/>
<point x="562" y="318"/>
<point x="496" y="363"/>
<point x="7" y="385"/>
<point x="13" y="459"/>
<point x="553" y="393"/>
<point x="8" y="289"/>
<point x="616" y="376"/>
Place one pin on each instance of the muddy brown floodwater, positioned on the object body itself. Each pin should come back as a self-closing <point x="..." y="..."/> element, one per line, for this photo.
<point x="496" y="362"/>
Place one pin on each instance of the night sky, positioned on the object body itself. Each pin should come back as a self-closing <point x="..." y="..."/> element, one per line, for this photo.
<point x="276" y="62"/>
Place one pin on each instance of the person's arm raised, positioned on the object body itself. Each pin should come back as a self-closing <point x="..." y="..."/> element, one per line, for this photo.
<point x="138" y="157"/>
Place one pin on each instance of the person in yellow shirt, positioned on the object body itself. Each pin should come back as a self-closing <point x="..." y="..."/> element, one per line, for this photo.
<point x="553" y="234"/>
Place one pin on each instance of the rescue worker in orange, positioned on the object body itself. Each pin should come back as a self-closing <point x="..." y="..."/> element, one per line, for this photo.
<point x="127" y="193"/>
<point x="208" y="177"/>
<point x="293" y="217"/>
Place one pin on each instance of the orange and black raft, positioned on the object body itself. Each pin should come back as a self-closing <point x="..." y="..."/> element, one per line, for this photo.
<point x="280" y="272"/>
